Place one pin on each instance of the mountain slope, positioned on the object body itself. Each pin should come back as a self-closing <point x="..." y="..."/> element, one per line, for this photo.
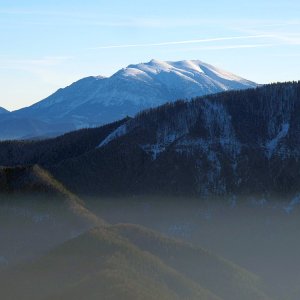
<point x="19" y="127"/>
<point x="238" y="142"/>
<point x="33" y="180"/>
<point x="123" y="261"/>
<point x="37" y="213"/>
<point x="225" y="279"/>
<point x="52" y="151"/>
<point x="105" y="262"/>
<point x="3" y="111"/>
<point x="97" y="100"/>
<point x="102" y="264"/>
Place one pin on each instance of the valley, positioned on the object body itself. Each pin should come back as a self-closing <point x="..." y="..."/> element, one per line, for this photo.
<point x="207" y="248"/>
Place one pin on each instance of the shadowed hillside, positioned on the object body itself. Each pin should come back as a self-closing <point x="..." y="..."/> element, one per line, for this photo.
<point x="124" y="261"/>
<point x="127" y="262"/>
<point x="37" y="213"/>
<point x="33" y="181"/>
<point x="52" y="151"/>
<point x="225" y="279"/>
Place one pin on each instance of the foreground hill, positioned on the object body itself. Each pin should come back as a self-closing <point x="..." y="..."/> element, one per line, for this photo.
<point x="97" y="100"/>
<point x="37" y="213"/>
<point x="35" y="181"/>
<point x="129" y="262"/>
<point x="121" y="261"/>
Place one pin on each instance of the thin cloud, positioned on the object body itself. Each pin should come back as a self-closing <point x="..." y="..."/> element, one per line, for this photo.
<point x="33" y="64"/>
<point x="234" y="47"/>
<point x="285" y="37"/>
<point x="289" y="39"/>
<point x="226" y="47"/>
<point x="198" y="41"/>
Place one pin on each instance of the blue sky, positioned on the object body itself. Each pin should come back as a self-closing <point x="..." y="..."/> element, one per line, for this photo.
<point x="46" y="45"/>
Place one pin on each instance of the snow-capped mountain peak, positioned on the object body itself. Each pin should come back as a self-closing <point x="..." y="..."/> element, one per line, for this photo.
<point x="187" y="67"/>
<point x="202" y="78"/>
<point x="96" y="100"/>
<point x="155" y="67"/>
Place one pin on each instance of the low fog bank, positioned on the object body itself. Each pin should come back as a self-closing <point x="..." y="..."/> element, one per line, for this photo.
<point x="258" y="234"/>
<point x="31" y="225"/>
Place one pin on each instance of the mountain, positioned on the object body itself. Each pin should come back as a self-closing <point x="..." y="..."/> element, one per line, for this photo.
<point x="129" y="262"/>
<point x="37" y="213"/>
<point x="54" y="150"/>
<point x="97" y="100"/>
<point x="34" y="180"/>
<point x="3" y="111"/>
<point x="237" y="142"/>
<point x="17" y="127"/>
<point x="53" y="247"/>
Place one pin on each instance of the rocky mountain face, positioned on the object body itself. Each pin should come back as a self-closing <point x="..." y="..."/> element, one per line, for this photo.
<point x="238" y="142"/>
<point x="97" y="100"/>
<point x="245" y="141"/>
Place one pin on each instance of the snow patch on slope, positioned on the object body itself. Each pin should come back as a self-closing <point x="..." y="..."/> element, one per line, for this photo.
<point x="164" y="140"/>
<point x="120" y="131"/>
<point x="272" y="144"/>
<point x="154" y="150"/>
<point x="219" y="126"/>
<point x="192" y="65"/>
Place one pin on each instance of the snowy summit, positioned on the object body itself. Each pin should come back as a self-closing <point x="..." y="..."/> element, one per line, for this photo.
<point x="98" y="100"/>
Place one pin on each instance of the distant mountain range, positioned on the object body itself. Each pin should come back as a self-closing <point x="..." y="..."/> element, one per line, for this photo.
<point x="93" y="101"/>
<point x="237" y="142"/>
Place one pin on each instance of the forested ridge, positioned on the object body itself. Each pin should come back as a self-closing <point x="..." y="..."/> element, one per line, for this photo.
<point x="229" y="143"/>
